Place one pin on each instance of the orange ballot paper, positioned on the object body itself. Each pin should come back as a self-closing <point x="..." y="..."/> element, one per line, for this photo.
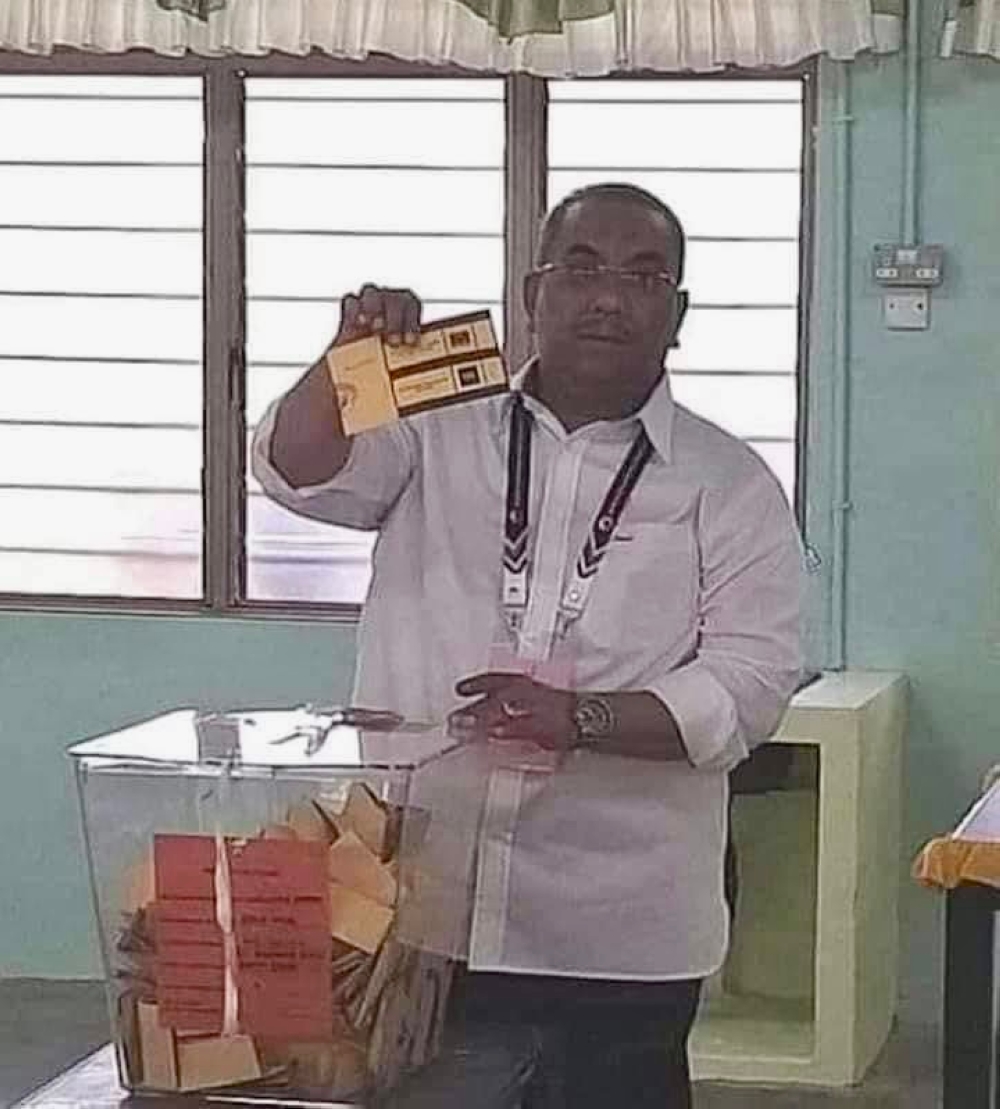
<point x="281" y="921"/>
<point x="453" y="360"/>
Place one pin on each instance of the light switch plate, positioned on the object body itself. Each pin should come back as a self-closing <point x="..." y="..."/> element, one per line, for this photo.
<point x="907" y="310"/>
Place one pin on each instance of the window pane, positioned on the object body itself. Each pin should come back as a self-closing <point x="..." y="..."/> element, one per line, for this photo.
<point x="380" y="88"/>
<point x="264" y="383"/>
<point x="119" y="574"/>
<point x="291" y="558"/>
<point x="102" y="129"/>
<point x="741" y="273"/>
<point x="377" y="165"/>
<point x="781" y="459"/>
<point x="33" y="86"/>
<point x="748" y="405"/>
<point x="106" y="327"/>
<point x="100" y="392"/>
<point x="670" y="135"/>
<point x="101" y="457"/>
<point x="373" y="132"/>
<point x="87" y="543"/>
<point x="435" y="268"/>
<point x="117" y="196"/>
<point x="725" y="155"/>
<point x="61" y="520"/>
<point x="740" y="340"/>
<point x="100" y="351"/>
<point x="358" y="199"/>
<point x="755" y="205"/>
<point x="670" y="89"/>
<point x="101" y="261"/>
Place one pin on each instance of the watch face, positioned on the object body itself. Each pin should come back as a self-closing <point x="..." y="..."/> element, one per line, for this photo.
<point x="593" y="718"/>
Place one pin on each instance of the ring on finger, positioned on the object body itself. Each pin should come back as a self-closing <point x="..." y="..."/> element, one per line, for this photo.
<point x="512" y="708"/>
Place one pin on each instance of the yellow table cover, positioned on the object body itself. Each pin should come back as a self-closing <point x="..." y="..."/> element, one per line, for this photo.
<point x="946" y="862"/>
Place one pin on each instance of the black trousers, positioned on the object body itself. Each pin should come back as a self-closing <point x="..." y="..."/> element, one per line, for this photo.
<point x="601" y="1044"/>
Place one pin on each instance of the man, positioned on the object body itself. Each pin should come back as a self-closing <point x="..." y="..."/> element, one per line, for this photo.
<point x="606" y="575"/>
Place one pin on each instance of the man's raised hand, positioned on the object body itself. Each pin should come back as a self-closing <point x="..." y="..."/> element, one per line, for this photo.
<point x="374" y="310"/>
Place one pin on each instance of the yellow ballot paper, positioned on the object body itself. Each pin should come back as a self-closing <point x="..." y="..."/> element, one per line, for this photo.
<point x="453" y="360"/>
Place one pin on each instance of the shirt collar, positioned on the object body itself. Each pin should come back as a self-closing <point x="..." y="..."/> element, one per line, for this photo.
<point x="656" y="415"/>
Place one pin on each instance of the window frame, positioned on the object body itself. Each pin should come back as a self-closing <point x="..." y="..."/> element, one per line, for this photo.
<point x="525" y="169"/>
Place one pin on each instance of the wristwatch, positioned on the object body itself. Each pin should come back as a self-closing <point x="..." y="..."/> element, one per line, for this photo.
<point x="594" y="720"/>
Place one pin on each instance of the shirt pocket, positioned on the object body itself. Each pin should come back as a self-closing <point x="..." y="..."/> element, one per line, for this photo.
<point x="644" y="597"/>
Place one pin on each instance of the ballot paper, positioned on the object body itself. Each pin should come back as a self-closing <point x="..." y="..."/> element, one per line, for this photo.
<point x="981" y="824"/>
<point x="330" y="999"/>
<point x="278" y="894"/>
<point x="453" y="360"/>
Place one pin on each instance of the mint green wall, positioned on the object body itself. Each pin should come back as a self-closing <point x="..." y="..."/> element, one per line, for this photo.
<point x="923" y="581"/>
<point x="69" y="677"/>
<point x="923" y="547"/>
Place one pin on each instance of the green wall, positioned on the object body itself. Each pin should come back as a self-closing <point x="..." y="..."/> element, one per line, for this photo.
<point x="69" y="677"/>
<point x="923" y="549"/>
<point x="923" y="557"/>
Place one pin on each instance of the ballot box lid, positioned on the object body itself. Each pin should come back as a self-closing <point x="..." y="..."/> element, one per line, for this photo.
<point x="297" y="738"/>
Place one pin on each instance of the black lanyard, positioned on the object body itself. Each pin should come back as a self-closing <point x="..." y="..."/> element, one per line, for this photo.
<point x="516" y="567"/>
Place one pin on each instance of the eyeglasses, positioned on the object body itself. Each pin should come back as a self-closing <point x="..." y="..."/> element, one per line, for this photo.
<point x="584" y="275"/>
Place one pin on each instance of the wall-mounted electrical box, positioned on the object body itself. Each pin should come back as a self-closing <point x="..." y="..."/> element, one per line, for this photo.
<point x="908" y="266"/>
<point x="907" y="274"/>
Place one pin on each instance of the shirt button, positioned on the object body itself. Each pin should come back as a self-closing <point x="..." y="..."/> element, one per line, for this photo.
<point x="574" y="595"/>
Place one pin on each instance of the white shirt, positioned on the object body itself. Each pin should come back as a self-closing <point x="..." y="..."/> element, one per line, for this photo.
<point x="610" y="867"/>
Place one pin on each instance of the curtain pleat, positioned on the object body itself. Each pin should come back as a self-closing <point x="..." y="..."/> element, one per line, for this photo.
<point x="664" y="35"/>
<point x="971" y="27"/>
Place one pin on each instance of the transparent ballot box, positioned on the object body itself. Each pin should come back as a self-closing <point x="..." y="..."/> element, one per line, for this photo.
<point x="280" y="896"/>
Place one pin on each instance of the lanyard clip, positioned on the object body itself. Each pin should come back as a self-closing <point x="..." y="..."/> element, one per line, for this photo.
<point x="514" y="618"/>
<point x="564" y="621"/>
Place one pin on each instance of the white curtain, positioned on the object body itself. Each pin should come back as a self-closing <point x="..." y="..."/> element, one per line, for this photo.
<point x="971" y="27"/>
<point x="665" y="35"/>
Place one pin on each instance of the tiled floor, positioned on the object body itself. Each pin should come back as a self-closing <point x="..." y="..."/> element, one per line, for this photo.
<point x="45" y="1026"/>
<point x="907" y="1076"/>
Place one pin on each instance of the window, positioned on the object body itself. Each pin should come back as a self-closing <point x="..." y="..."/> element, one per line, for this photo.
<point x="100" y="343"/>
<point x="331" y="204"/>
<point x="729" y="164"/>
<point x="132" y="375"/>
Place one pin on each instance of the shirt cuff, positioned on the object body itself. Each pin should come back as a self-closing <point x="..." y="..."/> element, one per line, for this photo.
<point x="706" y="716"/>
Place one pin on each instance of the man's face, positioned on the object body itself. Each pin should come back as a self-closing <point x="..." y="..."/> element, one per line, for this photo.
<point x="603" y="331"/>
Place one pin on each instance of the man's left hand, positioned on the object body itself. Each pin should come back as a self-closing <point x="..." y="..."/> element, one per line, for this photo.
<point x="515" y="707"/>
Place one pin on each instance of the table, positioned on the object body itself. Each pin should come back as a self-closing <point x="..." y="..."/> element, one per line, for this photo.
<point x="971" y="1063"/>
<point x="971" y="1078"/>
<point x="488" y="1069"/>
